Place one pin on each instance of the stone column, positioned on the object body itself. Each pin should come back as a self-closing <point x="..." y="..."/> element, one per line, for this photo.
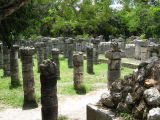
<point x="28" y="78"/>
<point x="90" y="59"/>
<point x="65" y="52"/>
<point x="114" y="65"/>
<point x="14" y="66"/>
<point x="1" y="55"/>
<point x="49" y="98"/>
<point x="45" y="49"/>
<point x="40" y="53"/>
<point x="95" y="50"/>
<point x="138" y="44"/>
<point x="55" y="59"/>
<point x="144" y="52"/>
<point x="78" y="70"/>
<point x="70" y="54"/>
<point x="6" y="61"/>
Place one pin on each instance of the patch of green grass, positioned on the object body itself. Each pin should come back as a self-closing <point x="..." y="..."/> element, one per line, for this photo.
<point x="61" y="117"/>
<point x="126" y="116"/>
<point x="14" y="97"/>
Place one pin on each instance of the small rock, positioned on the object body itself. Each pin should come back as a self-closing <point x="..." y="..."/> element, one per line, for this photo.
<point x="129" y="99"/>
<point x="154" y="114"/>
<point x="138" y="110"/>
<point x="123" y="107"/>
<point x="106" y="100"/>
<point x="149" y="83"/>
<point x="116" y="86"/>
<point x="152" y="96"/>
<point x="116" y="97"/>
<point x="138" y="93"/>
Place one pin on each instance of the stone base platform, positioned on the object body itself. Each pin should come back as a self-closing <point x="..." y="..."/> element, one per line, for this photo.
<point x="96" y="113"/>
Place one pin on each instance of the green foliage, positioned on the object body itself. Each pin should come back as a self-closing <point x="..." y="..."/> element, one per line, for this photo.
<point x="71" y="18"/>
<point x="62" y="117"/>
<point x="141" y="20"/>
<point x="126" y="116"/>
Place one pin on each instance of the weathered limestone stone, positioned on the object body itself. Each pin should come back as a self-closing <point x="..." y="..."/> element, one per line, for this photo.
<point x="45" y="49"/>
<point x="129" y="99"/>
<point x="138" y="48"/>
<point x="28" y="77"/>
<point x="95" y="50"/>
<point x="90" y="60"/>
<point x="78" y="70"/>
<point x="40" y="53"/>
<point x="14" y="66"/>
<point x="144" y="50"/>
<point x="106" y="100"/>
<point x="66" y="41"/>
<point x="1" y="55"/>
<point x="95" y="113"/>
<point x="114" y="64"/>
<point x="152" y="96"/>
<point x="49" y="98"/>
<point x="70" y="54"/>
<point x="6" y="61"/>
<point x="154" y="114"/>
<point x="55" y="59"/>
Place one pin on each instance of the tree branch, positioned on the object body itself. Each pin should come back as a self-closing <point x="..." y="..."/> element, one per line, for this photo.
<point x="11" y="8"/>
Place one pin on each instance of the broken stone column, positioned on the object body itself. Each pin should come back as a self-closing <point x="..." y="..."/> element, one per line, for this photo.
<point x="6" y="61"/>
<point x="114" y="65"/>
<point x="28" y="77"/>
<point x="90" y="59"/>
<point x="14" y="66"/>
<point x="1" y="55"/>
<point x="95" y="50"/>
<point x="55" y="59"/>
<point x="49" y="100"/>
<point x="40" y="53"/>
<point x="70" y="53"/>
<point x="78" y="70"/>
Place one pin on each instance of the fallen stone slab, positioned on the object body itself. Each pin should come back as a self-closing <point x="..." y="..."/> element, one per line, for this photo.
<point x="96" y="113"/>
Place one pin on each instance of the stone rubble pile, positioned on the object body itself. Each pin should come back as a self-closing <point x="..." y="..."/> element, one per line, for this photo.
<point x="138" y="93"/>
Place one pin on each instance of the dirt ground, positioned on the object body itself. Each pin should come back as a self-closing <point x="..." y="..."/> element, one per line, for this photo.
<point x="74" y="107"/>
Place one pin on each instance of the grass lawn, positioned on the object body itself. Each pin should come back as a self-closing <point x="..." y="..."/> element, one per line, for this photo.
<point x="14" y="97"/>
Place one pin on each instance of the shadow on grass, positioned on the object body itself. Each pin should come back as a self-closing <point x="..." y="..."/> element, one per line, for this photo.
<point x="81" y="91"/>
<point x="15" y="86"/>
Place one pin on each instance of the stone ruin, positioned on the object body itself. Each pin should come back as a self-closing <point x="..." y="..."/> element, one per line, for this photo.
<point x="138" y="94"/>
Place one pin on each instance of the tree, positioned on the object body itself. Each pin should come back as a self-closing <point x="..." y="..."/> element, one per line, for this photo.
<point x="10" y="8"/>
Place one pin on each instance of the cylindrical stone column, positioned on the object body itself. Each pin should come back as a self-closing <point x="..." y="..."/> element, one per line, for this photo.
<point x="49" y="98"/>
<point x="55" y="59"/>
<point x="95" y="50"/>
<point x="6" y="61"/>
<point x="28" y="78"/>
<point x="40" y="53"/>
<point x="14" y="66"/>
<point x="90" y="59"/>
<point x="70" y="55"/>
<point x="65" y="52"/>
<point x="1" y="55"/>
<point x="114" y="64"/>
<point x="78" y="70"/>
